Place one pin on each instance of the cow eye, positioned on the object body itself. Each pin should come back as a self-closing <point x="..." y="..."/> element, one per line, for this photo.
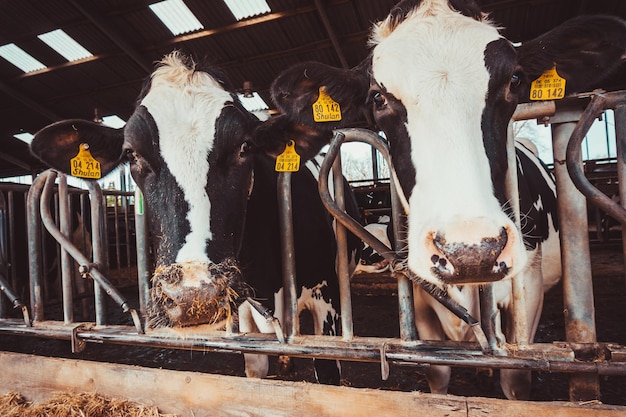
<point x="379" y="100"/>
<point x="129" y="155"/>
<point x="245" y="149"/>
<point x="516" y="80"/>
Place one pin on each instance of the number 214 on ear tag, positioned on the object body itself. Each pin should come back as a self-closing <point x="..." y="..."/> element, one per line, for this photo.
<point x="289" y="160"/>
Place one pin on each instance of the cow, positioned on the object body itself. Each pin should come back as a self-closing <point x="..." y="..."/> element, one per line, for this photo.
<point x="442" y="84"/>
<point x="370" y="261"/>
<point x="206" y="168"/>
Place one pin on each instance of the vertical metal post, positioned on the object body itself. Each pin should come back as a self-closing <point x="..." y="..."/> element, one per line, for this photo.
<point x="141" y="235"/>
<point x="98" y="218"/>
<point x="517" y="284"/>
<point x="620" y="138"/>
<point x="66" y="261"/>
<point x="406" y="311"/>
<point x="34" y="240"/>
<point x="347" y="327"/>
<point x="3" y="252"/>
<point x="285" y="219"/>
<point x="577" y="286"/>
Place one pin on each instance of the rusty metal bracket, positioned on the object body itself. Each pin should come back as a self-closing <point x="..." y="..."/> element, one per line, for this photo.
<point x="384" y="364"/>
<point x="78" y="345"/>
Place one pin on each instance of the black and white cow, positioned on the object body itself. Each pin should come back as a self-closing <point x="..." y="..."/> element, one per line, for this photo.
<point x="206" y="167"/>
<point x="443" y="84"/>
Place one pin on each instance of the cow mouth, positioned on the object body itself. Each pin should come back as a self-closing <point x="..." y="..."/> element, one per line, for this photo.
<point x="188" y="294"/>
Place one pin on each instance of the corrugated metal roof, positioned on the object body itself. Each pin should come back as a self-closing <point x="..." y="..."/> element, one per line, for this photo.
<point x="126" y="38"/>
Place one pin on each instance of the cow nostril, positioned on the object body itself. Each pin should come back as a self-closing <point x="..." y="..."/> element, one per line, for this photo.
<point x="434" y="259"/>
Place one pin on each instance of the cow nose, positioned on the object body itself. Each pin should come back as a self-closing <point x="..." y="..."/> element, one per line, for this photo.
<point x="462" y="262"/>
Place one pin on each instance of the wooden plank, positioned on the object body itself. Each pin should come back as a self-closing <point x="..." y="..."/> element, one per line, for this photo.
<point x="195" y="394"/>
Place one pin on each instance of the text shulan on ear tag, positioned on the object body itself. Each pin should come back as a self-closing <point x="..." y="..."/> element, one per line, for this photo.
<point x="325" y="109"/>
<point x="289" y="160"/>
<point x="84" y="165"/>
<point x="549" y="86"/>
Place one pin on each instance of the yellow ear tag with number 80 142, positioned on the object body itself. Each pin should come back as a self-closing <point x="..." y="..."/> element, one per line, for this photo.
<point x="289" y="160"/>
<point x="84" y="165"/>
<point x="549" y="86"/>
<point x="325" y="109"/>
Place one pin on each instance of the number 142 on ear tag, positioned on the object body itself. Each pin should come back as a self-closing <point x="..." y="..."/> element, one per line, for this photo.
<point x="289" y="160"/>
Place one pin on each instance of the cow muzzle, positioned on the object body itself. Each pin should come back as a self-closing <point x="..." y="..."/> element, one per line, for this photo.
<point x="193" y="293"/>
<point x="455" y="262"/>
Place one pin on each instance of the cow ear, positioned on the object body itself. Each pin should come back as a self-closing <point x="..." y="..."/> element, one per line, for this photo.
<point x="585" y="50"/>
<point x="57" y="144"/>
<point x="296" y="90"/>
<point x="313" y="99"/>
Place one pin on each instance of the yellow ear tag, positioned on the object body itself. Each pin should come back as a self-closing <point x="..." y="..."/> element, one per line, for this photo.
<point x="84" y="165"/>
<point x="325" y="109"/>
<point x="549" y="86"/>
<point x="289" y="160"/>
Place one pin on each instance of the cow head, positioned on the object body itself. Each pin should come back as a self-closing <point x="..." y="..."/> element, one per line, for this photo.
<point x="443" y="84"/>
<point x="191" y="148"/>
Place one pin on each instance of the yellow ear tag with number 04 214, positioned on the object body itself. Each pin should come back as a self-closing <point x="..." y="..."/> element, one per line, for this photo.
<point x="325" y="109"/>
<point x="289" y="160"/>
<point x="84" y="165"/>
<point x="549" y="86"/>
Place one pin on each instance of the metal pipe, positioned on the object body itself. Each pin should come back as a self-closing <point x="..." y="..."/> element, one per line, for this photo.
<point x="33" y="227"/>
<point x="98" y="218"/>
<point x="521" y="329"/>
<point x="85" y="265"/>
<point x="620" y="137"/>
<point x="577" y="285"/>
<point x="66" y="262"/>
<point x="143" y="271"/>
<point x="345" y="297"/>
<point x="285" y="218"/>
<point x="541" y="357"/>
<point x="598" y="103"/>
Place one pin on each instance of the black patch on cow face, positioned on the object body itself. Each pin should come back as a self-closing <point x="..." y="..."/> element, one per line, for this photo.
<point x="502" y="96"/>
<point x="164" y="197"/>
<point x="229" y="181"/>
<point x="390" y="115"/>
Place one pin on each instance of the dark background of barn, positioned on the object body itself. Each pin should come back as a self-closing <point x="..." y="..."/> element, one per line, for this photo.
<point x="126" y="38"/>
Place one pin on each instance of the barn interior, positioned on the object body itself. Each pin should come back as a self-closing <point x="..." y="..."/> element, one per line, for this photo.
<point x="123" y="39"/>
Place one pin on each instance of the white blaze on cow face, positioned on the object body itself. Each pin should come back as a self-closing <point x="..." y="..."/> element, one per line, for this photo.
<point x="433" y="64"/>
<point x="185" y="105"/>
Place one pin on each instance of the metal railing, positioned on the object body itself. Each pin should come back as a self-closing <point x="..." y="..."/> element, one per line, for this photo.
<point x="556" y="357"/>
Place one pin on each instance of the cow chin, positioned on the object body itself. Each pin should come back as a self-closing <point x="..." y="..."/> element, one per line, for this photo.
<point x="194" y="293"/>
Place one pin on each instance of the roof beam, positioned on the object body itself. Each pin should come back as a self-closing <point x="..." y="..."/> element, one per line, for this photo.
<point x="30" y="103"/>
<point x="321" y="10"/>
<point x="17" y="162"/>
<point x="116" y="39"/>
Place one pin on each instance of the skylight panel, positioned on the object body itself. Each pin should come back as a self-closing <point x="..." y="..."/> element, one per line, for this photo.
<point x="254" y="103"/>
<point x="65" y="45"/>
<point x="242" y="9"/>
<point x="176" y="16"/>
<point x="25" y="137"/>
<point x="113" y="121"/>
<point x="18" y="57"/>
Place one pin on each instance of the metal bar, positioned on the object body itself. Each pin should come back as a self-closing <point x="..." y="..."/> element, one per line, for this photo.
<point x="620" y="137"/>
<point x="285" y="218"/>
<point x="11" y="228"/>
<point x="98" y="218"/>
<point x="33" y="227"/>
<point x="518" y="284"/>
<point x="143" y="272"/>
<point x="331" y="33"/>
<point x="345" y="297"/>
<point x="66" y="262"/>
<point x="577" y="286"/>
<point x="542" y="357"/>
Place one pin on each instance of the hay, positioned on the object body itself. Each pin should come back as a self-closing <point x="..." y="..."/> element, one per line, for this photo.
<point x="74" y="405"/>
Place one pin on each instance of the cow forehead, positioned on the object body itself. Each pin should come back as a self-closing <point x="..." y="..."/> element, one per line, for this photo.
<point x="185" y="105"/>
<point x="434" y="53"/>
